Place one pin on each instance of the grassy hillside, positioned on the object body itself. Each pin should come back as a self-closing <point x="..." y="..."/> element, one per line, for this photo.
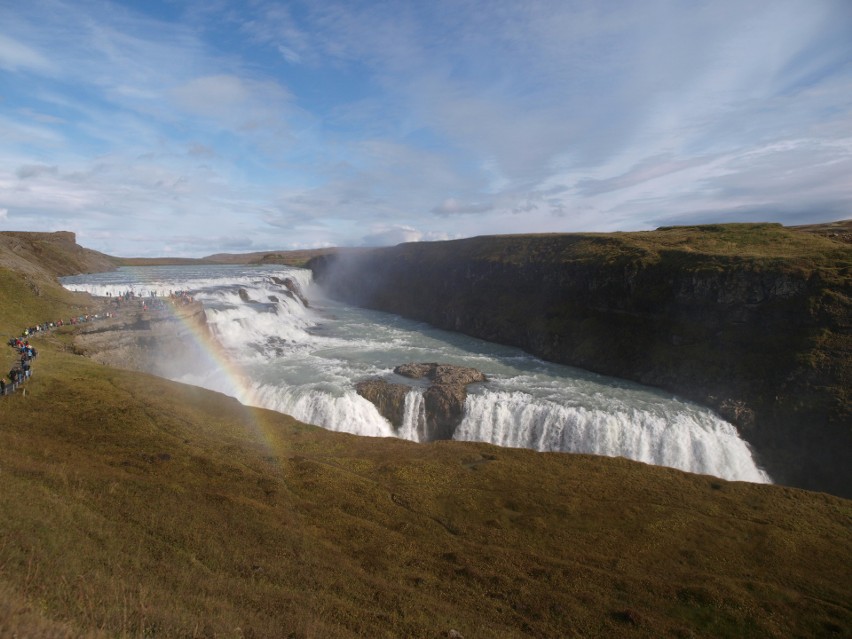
<point x="135" y="507"/>
<point x="29" y="266"/>
<point x="138" y="507"/>
<point x="54" y="254"/>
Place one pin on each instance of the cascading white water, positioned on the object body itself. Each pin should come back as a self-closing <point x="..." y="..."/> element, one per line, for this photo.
<point x="304" y="362"/>
<point x="687" y="439"/>
<point x="414" y="418"/>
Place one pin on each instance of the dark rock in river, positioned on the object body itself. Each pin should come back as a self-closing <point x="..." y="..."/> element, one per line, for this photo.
<point x="293" y="289"/>
<point x="388" y="398"/>
<point x="443" y="400"/>
<point x="442" y="373"/>
<point x="445" y="397"/>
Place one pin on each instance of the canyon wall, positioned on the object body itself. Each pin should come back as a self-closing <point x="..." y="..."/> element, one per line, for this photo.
<point x="751" y="320"/>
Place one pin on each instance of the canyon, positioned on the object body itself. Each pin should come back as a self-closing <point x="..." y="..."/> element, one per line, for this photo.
<point x="752" y="320"/>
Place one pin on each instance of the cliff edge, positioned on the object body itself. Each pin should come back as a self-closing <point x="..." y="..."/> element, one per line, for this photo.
<point x="51" y="254"/>
<point x="752" y="320"/>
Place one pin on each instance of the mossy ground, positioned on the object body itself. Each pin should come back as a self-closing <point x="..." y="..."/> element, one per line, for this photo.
<point x="131" y="506"/>
<point x="746" y="241"/>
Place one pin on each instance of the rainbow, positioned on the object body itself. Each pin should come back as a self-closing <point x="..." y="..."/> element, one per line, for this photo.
<point x="213" y="357"/>
<point x="215" y="369"/>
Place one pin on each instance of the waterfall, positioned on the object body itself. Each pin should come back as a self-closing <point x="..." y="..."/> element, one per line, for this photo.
<point x="277" y="353"/>
<point x="414" y="422"/>
<point x="694" y="441"/>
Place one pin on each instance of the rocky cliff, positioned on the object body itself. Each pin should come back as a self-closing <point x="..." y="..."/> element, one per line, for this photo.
<point x="752" y="320"/>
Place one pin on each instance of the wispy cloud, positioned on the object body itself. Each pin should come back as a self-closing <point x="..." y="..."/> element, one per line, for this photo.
<point x="16" y="56"/>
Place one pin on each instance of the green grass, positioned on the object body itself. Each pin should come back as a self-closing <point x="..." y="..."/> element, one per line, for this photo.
<point x="26" y="300"/>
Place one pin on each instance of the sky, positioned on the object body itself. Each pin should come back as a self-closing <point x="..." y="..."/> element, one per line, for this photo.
<point x="193" y="127"/>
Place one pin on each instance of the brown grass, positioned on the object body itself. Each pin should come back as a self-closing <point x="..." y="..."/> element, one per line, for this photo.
<point x="135" y="507"/>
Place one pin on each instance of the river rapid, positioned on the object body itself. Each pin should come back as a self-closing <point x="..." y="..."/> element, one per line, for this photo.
<point x="304" y="360"/>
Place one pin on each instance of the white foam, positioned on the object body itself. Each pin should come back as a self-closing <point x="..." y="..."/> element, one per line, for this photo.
<point x="414" y="418"/>
<point x="348" y="413"/>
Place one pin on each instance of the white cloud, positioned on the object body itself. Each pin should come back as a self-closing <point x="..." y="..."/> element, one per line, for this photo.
<point x="397" y="234"/>
<point x="34" y="170"/>
<point x="218" y="96"/>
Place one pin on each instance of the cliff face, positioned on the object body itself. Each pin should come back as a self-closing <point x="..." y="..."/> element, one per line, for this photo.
<point x="731" y="317"/>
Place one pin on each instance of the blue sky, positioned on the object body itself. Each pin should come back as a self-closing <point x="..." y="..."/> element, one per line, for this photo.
<point x="166" y="127"/>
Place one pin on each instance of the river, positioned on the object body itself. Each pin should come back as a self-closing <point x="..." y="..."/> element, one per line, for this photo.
<point x="303" y="361"/>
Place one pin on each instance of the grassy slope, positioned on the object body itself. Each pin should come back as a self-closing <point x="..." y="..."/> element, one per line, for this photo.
<point x="759" y="243"/>
<point x="137" y="506"/>
<point x="132" y="506"/>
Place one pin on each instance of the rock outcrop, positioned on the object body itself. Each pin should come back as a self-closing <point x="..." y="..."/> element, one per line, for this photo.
<point x="751" y="320"/>
<point x="293" y="289"/>
<point x="389" y="398"/>
<point x="159" y="342"/>
<point x="443" y="399"/>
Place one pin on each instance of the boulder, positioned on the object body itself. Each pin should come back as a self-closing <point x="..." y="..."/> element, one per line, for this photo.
<point x="388" y="398"/>
<point x="443" y="399"/>
<point x="442" y="373"/>
<point x="293" y="289"/>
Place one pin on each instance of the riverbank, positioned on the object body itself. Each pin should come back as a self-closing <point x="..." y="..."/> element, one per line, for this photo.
<point x="145" y="336"/>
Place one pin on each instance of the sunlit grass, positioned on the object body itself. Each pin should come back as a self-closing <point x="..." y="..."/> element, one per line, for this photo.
<point x="136" y="507"/>
<point x="131" y="506"/>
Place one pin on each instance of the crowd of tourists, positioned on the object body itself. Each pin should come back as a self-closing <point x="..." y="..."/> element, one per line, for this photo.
<point x="22" y="371"/>
<point x="150" y="301"/>
<point x="25" y="353"/>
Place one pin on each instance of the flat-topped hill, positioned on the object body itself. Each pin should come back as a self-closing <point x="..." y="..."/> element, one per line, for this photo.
<point x="136" y="507"/>
<point x="290" y="258"/>
<point x="753" y="320"/>
<point x="56" y="254"/>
